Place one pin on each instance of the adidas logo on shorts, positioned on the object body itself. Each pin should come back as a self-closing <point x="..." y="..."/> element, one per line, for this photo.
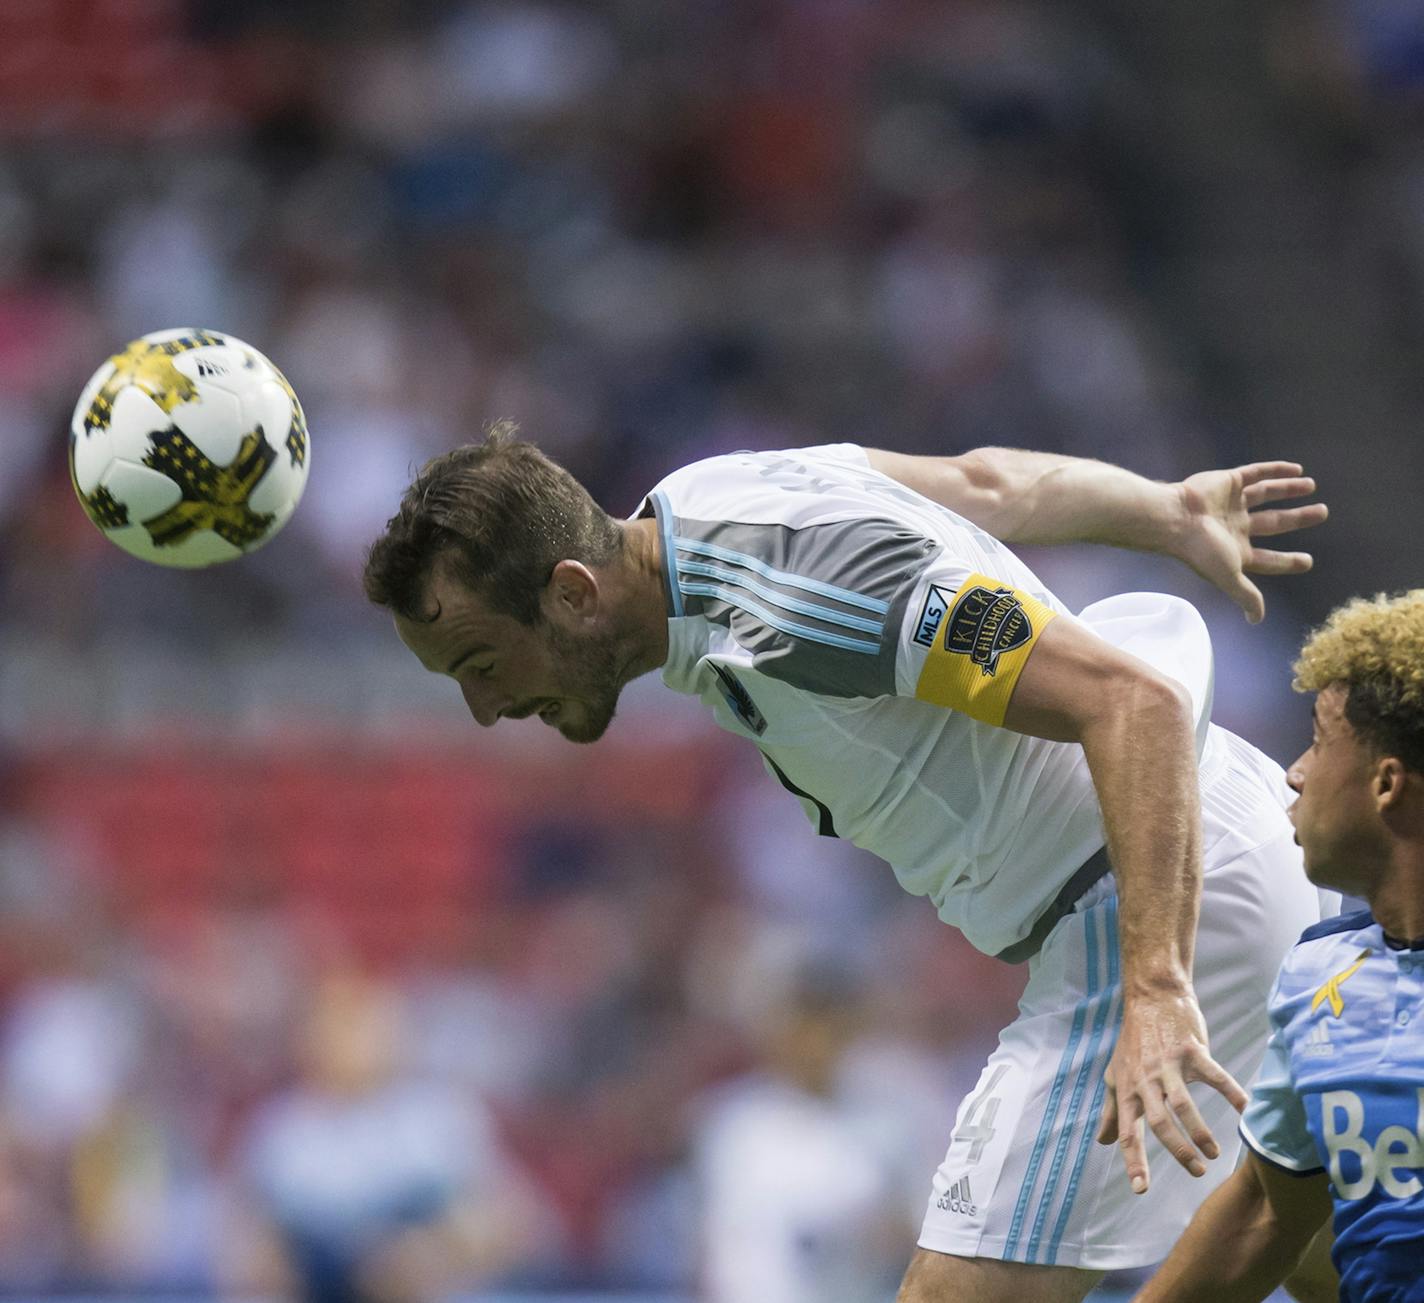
<point x="957" y="1199"/>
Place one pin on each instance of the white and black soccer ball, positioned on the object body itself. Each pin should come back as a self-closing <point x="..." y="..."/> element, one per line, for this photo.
<point x="189" y="448"/>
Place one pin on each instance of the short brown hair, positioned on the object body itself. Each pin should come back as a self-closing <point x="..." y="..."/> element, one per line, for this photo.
<point x="502" y="515"/>
<point x="1373" y="647"/>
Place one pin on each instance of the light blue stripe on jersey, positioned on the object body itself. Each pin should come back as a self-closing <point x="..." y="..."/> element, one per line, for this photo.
<point x="739" y="600"/>
<point x="826" y="613"/>
<point x="846" y="595"/>
<point x="1112" y="1007"/>
<point x="1055" y="1098"/>
<point x="664" y="514"/>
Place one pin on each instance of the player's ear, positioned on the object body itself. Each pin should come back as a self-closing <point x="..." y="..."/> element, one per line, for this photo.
<point x="1389" y="783"/>
<point x="572" y="592"/>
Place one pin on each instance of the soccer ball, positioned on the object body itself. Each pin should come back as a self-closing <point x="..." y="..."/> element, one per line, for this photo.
<point x="188" y="448"/>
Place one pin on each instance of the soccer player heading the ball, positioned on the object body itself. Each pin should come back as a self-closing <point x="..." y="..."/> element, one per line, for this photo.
<point x="1052" y="782"/>
<point x="1339" y="1106"/>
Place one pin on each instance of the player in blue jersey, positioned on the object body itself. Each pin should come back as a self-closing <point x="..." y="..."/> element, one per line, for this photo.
<point x="1337" y="1114"/>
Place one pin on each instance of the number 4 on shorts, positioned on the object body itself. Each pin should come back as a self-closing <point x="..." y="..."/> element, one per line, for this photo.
<point x="978" y="1125"/>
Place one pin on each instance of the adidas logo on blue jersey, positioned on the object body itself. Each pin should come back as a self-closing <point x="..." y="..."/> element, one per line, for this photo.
<point x="957" y="1199"/>
<point x="1316" y="1043"/>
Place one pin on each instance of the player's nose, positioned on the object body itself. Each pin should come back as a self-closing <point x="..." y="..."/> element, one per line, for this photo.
<point x="485" y="704"/>
<point x="1295" y="777"/>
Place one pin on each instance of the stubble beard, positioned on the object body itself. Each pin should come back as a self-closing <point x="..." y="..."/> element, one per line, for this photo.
<point x="591" y="677"/>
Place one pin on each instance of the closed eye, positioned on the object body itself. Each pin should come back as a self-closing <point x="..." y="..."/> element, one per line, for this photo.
<point x="484" y="671"/>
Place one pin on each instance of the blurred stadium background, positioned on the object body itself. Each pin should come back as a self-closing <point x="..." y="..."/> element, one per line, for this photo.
<point x="308" y="989"/>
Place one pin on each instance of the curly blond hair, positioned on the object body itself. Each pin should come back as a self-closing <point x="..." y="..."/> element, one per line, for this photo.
<point x="1373" y="647"/>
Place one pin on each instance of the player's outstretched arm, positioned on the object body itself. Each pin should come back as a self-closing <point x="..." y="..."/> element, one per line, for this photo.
<point x="1136" y="730"/>
<point x="1211" y="521"/>
<point x="1245" y="1239"/>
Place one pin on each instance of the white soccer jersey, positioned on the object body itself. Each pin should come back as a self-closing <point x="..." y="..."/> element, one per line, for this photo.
<point x="867" y="640"/>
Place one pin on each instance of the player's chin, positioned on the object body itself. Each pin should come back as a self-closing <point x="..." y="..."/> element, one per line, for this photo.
<point x="582" y="732"/>
<point x="1318" y="869"/>
<point x="581" y="724"/>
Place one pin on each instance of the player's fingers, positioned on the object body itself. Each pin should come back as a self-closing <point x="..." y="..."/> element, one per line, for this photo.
<point x="1247" y="596"/>
<point x="1163" y="1123"/>
<point x="1191" y="1121"/>
<point x="1266" y="561"/>
<point x="1273" y="490"/>
<point x="1107" y="1128"/>
<point x="1281" y="520"/>
<point x="1134" y="1152"/>
<point x="1257" y="471"/>
<point x="1207" y="1070"/>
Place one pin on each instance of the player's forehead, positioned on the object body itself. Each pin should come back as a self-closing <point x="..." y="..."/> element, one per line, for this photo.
<point x="1329" y="709"/>
<point x="1332" y="726"/>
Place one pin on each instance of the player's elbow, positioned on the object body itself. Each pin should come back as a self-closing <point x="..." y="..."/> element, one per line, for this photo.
<point x="1157" y="698"/>
<point x="1166" y="696"/>
<point x="1141" y="699"/>
<point x="987" y="478"/>
<point x="988" y="470"/>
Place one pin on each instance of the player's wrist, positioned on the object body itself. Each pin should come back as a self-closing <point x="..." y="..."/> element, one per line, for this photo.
<point x="1159" y="984"/>
<point x="1168" y="518"/>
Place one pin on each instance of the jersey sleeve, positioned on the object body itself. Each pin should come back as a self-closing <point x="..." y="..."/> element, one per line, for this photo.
<point x="1274" y="1123"/>
<point x="967" y="638"/>
<point x="842" y="582"/>
<point x="849" y="454"/>
<point x="818" y="606"/>
<point x="868" y="608"/>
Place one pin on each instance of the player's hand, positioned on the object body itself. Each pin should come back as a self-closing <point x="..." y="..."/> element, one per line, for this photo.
<point x="1222" y="516"/>
<point x="1161" y="1048"/>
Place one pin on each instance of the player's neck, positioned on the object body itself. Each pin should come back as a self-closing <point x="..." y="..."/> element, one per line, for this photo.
<point x="643" y="596"/>
<point x="1398" y="902"/>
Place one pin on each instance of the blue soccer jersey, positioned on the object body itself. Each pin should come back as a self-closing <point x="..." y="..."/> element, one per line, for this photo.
<point x="1342" y="1091"/>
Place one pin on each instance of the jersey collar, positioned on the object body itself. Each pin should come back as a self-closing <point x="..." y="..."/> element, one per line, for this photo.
<point x="657" y="506"/>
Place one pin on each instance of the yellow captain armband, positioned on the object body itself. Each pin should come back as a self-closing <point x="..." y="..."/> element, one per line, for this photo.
<point x="981" y="647"/>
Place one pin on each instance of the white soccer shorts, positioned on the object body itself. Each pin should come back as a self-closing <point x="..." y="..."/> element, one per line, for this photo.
<point x="1024" y="1179"/>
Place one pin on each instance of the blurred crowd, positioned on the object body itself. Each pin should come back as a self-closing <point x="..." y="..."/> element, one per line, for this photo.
<point x="631" y="1043"/>
<point x="671" y="1043"/>
<point x="648" y="232"/>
